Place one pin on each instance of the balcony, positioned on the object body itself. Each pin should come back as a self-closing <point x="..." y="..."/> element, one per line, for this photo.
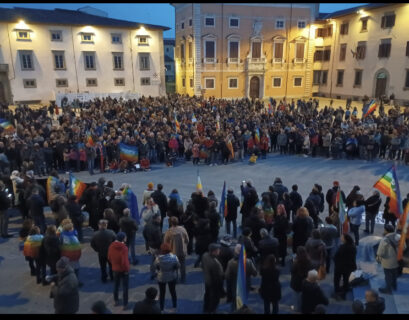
<point x="209" y="60"/>
<point x="277" y="61"/>
<point x="299" y="60"/>
<point x="233" y="60"/>
<point x="255" y="64"/>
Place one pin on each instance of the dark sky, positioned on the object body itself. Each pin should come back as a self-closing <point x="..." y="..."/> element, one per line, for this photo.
<point x="154" y="13"/>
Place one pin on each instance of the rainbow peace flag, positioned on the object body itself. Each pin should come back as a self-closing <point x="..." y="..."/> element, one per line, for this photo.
<point x="32" y="246"/>
<point x="199" y="186"/>
<point x="76" y="187"/>
<point x="370" y="108"/>
<point x="223" y="204"/>
<point x="404" y="222"/>
<point x="132" y="202"/>
<point x="343" y="222"/>
<point x="241" y="291"/>
<point x="257" y="136"/>
<point x="389" y="186"/>
<point x="177" y="124"/>
<point x="70" y="245"/>
<point x="128" y="153"/>
<point x="51" y="182"/>
<point x="6" y="125"/>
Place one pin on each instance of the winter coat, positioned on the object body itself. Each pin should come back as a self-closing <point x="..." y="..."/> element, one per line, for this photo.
<point x="375" y="307"/>
<point x="32" y="246"/>
<point x="251" y="249"/>
<point x="372" y="205"/>
<point x="282" y="139"/>
<point x="203" y="236"/>
<point x="270" y="288"/>
<point x="167" y="266"/>
<point x="280" y="189"/>
<point x="250" y="200"/>
<point x="74" y="212"/>
<point x="145" y="197"/>
<point x="37" y="204"/>
<point x="50" y="251"/>
<point x="232" y="204"/>
<point x="296" y="200"/>
<point x="66" y="293"/>
<point x="280" y="228"/>
<point x="299" y="273"/>
<point x="231" y="273"/>
<point x="146" y="306"/>
<point x="101" y="240"/>
<point x="267" y="246"/>
<point x="302" y="228"/>
<point x="153" y="234"/>
<point x="387" y="253"/>
<point x="118" y="256"/>
<point x="345" y="258"/>
<point x="226" y="253"/>
<point x="70" y="246"/>
<point x="255" y="224"/>
<point x="355" y="215"/>
<point x="312" y="295"/>
<point x="212" y="272"/>
<point x="161" y="200"/>
<point x="178" y="239"/>
<point x="118" y="205"/>
<point x="328" y="235"/>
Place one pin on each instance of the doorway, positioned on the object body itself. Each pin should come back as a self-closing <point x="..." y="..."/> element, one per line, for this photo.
<point x="254" y="87"/>
<point x="380" y="88"/>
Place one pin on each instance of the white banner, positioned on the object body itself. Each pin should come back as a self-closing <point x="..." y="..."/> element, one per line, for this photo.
<point x="67" y="99"/>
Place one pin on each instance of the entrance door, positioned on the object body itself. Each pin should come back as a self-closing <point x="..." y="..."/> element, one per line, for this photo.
<point x="380" y="89"/>
<point x="254" y="87"/>
<point x="2" y="93"/>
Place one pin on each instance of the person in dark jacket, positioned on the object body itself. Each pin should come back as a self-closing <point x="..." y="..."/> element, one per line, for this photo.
<point x="279" y="188"/>
<point x="313" y="204"/>
<point x="387" y="215"/>
<point x="161" y="200"/>
<point x="37" y="204"/>
<point x="128" y="225"/>
<point x="232" y="204"/>
<point x="90" y="199"/>
<point x="280" y="228"/>
<point x="100" y="242"/>
<point x="352" y="196"/>
<point x="270" y="288"/>
<point x="75" y="214"/>
<point x="245" y="239"/>
<point x="203" y="239"/>
<point x="299" y="271"/>
<point x="256" y="222"/>
<point x="296" y="201"/>
<point x="331" y="195"/>
<point x="153" y="237"/>
<point x="214" y="219"/>
<point x="267" y="245"/>
<point x="372" y="205"/>
<point x="312" y="295"/>
<point x="65" y="293"/>
<point x="118" y="204"/>
<point x="110" y="216"/>
<point x="302" y="228"/>
<point x="374" y="303"/>
<point x="250" y="199"/>
<point x="226" y="251"/>
<point x="330" y="236"/>
<point x="187" y="221"/>
<point x="4" y="207"/>
<point x="50" y="252"/>
<point x="149" y="305"/>
<point x="345" y="263"/>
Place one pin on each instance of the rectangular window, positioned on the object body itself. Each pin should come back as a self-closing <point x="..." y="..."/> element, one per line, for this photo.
<point x="344" y="28"/>
<point x="316" y="77"/>
<point x="256" y="50"/>
<point x="342" y="52"/>
<point x="89" y="60"/>
<point x="301" y="24"/>
<point x="234" y="51"/>
<point x="61" y="82"/>
<point x="233" y="83"/>
<point x="182" y="51"/>
<point x="340" y="78"/>
<point x="277" y="82"/>
<point x="23" y="35"/>
<point x="358" y="78"/>
<point x="56" y="35"/>
<point x="59" y="61"/>
<point x="144" y="63"/>
<point x="87" y="37"/>
<point x="318" y="55"/>
<point x="297" y="82"/>
<point x="183" y="82"/>
<point x="118" y="60"/>
<point x="407" y="79"/>
<point x="233" y="22"/>
<point x="143" y="41"/>
<point x="278" y="50"/>
<point x="324" y="77"/>
<point x="190" y="22"/>
<point x="209" y="83"/>
<point x="361" y="50"/>
<point x="384" y="48"/>
<point x="388" y="20"/>
<point x="191" y="82"/>
<point x="26" y="59"/>
<point x="209" y="22"/>
<point x="119" y="82"/>
<point x="280" y="24"/>
<point x="182" y="25"/>
<point x="209" y="47"/>
<point x="91" y="82"/>
<point x="145" y="81"/>
<point x="299" y="51"/>
<point x="364" y="24"/>
<point x="190" y="50"/>
<point x="327" y="54"/>
<point x="116" y="38"/>
<point x="30" y="83"/>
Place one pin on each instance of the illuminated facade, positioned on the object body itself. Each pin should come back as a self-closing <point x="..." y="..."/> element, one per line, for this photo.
<point x="45" y="52"/>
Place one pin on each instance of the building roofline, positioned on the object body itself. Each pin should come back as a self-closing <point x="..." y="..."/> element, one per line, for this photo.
<point x="348" y="11"/>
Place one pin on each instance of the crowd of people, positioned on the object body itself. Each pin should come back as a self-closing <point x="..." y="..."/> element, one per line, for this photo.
<point x="210" y="131"/>
<point x="277" y="228"/>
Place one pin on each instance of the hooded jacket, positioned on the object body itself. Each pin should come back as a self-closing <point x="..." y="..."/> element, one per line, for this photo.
<point x="178" y="239"/>
<point x="65" y="293"/>
<point x="168" y="265"/>
<point x="355" y="215"/>
<point x="118" y="256"/>
<point x="386" y="253"/>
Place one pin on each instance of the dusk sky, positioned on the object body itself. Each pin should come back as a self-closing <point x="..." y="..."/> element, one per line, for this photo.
<point x="153" y="13"/>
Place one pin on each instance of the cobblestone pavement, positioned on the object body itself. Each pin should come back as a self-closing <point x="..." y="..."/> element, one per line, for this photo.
<point x="20" y="294"/>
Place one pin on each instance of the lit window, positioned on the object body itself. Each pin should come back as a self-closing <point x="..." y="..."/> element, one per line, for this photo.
<point x="61" y="82"/>
<point x="119" y="82"/>
<point x="23" y="35"/>
<point x="92" y="82"/>
<point x="143" y="41"/>
<point x="30" y="83"/>
<point x="116" y="38"/>
<point x="56" y="35"/>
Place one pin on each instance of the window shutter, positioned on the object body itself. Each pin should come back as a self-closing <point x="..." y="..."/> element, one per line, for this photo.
<point x="392" y="20"/>
<point x="383" y="21"/>
<point x="278" y="53"/>
<point x="380" y="51"/>
<point x="346" y="28"/>
<point x="300" y="51"/>
<point x="363" y="52"/>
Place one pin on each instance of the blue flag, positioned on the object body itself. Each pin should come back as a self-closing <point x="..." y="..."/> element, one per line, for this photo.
<point x="132" y="202"/>
<point x="223" y="205"/>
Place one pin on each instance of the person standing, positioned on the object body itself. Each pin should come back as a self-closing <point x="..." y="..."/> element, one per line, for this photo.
<point x="345" y="263"/>
<point x="153" y="237"/>
<point x="387" y="256"/>
<point x="280" y="228"/>
<point x="50" y="252"/>
<point x="312" y="294"/>
<point x="4" y="214"/>
<point x="302" y="228"/>
<point x="330" y="236"/>
<point x="372" y="205"/>
<point x="162" y="201"/>
<point x="167" y="265"/>
<point x="270" y="288"/>
<point x="147" y="194"/>
<point x="388" y="216"/>
<point x="65" y="293"/>
<point x="233" y="203"/>
<point x="374" y="304"/>
<point x="37" y="204"/>
<point x="296" y="201"/>
<point x="118" y="256"/>
<point x="100" y="242"/>
<point x="299" y="271"/>
<point x="178" y="239"/>
<point x="213" y="278"/>
<point x="31" y="251"/>
<point x="149" y="305"/>
<point x="128" y="225"/>
<point x="355" y="218"/>
<point x="75" y="214"/>
<point x="267" y="245"/>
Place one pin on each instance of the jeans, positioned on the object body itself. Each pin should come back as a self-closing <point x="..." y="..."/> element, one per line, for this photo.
<point x="118" y="276"/>
<point x="370" y="218"/>
<point x="355" y="231"/>
<point x="4" y="222"/>
<point x="90" y="166"/>
<point x="234" y="227"/>
<point x="267" y="306"/>
<point x="390" y="278"/>
<point x="103" y="266"/>
<point x="130" y="243"/>
<point x="162" y="293"/>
